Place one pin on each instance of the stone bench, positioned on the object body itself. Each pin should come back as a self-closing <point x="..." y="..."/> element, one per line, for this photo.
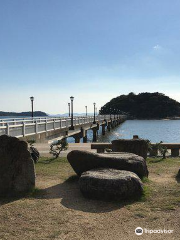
<point x="100" y="147"/>
<point x="136" y="146"/>
<point x="174" y="147"/>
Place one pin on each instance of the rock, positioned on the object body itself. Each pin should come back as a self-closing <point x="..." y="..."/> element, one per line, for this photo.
<point x="110" y="184"/>
<point x="17" y="174"/>
<point x="82" y="161"/>
<point x="136" y="146"/>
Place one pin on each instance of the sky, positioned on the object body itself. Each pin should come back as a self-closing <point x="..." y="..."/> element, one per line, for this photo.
<point x="94" y="50"/>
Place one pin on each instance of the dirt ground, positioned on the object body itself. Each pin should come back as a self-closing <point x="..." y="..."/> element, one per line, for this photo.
<point x="57" y="210"/>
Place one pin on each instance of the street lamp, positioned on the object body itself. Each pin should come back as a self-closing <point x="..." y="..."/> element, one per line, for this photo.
<point x="86" y="110"/>
<point x="72" y="127"/>
<point x="94" y="113"/>
<point x="69" y="108"/>
<point x="32" y="107"/>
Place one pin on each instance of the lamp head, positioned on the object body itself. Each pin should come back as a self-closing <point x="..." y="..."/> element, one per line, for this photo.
<point x="32" y="98"/>
<point x="72" y="98"/>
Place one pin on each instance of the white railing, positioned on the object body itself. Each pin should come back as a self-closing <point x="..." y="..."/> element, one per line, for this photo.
<point x="29" y="126"/>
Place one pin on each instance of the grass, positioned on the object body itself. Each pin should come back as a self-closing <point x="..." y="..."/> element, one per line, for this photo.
<point x="161" y="189"/>
<point x="157" y="194"/>
<point x="55" y="208"/>
<point x="52" y="168"/>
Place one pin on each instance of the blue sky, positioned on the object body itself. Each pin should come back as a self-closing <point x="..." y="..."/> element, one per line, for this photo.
<point x="94" y="50"/>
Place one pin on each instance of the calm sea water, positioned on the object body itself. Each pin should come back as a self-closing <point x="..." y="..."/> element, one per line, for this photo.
<point x="154" y="130"/>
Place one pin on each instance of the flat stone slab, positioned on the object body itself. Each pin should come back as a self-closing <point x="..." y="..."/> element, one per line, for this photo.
<point x="110" y="184"/>
<point x="82" y="161"/>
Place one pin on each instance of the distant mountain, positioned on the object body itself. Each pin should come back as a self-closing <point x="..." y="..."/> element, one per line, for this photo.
<point x="67" y="114"/>
<point x="24" y="114"/>
<point x="144" y="106"/>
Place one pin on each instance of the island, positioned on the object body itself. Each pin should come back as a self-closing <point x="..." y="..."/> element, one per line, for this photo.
<point x="143" y="106"/>
<point x="23" y="114"/>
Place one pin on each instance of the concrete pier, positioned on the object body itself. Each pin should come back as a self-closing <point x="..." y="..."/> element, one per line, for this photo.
<point x="49" y="129"/>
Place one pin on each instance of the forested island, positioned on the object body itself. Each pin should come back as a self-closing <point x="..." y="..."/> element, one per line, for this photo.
<point x="23" y="114"/>
<point x="143" y="106"/>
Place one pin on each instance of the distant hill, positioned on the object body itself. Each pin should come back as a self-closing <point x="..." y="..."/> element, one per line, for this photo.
<point x="144" y="106"/>
<point x="67" y="114"/>
<point x="23" y="114"/>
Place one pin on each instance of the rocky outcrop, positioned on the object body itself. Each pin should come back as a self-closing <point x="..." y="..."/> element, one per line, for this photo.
<point x="110" y="184"/>
<point x="82" y="161"/>
<point x="17" y="174"/>
<point x="136" y="146"/>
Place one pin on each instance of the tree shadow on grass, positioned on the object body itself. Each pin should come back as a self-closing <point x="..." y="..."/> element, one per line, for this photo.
<point x="156" y="160"/>
<point x="70" y="197"/>
<point x="47" y="161"/>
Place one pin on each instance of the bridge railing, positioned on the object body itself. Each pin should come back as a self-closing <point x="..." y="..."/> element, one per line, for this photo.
<point x="27" y="127"/>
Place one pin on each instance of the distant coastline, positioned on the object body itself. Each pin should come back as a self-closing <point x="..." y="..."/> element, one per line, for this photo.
<point x="22" y="114"/>
<point x="168" y="118"/>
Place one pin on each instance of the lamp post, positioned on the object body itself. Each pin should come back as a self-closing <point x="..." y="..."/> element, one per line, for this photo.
<point x="69" y="109"/>
<point x="32" y="107"/>
<point x="72" y="126"/>
<point x="94" y="113"/>
<point x="86" y="110"/>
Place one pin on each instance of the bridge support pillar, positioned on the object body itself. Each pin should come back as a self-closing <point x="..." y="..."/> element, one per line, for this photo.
<point x="85" y="139"/>
<point x="77" y="139"/>
<point x="103" y="129"/>
<point x="109" y="126"/>
<point x="112" y="124"/>
<point x="85" y="136"/>
<point x="94" y="134"/>
<point x="78" y="136"/>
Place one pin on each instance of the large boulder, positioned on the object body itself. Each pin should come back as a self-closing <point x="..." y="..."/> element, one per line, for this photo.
<point x="17" y="174"/>
<point x="82" y="161"/>
<point x="110" y="184"/>
<point x="136" y="146"/>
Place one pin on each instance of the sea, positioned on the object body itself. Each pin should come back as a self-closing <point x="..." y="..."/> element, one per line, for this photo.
<point x="167" y="131"/>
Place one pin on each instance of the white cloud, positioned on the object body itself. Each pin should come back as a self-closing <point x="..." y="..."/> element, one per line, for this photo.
<point x="157" y="47"/>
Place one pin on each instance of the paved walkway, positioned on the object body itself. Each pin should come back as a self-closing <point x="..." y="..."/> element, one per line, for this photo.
<point x="44" y="148"/>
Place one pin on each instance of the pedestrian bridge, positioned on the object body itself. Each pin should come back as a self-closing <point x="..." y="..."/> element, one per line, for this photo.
<point x="46" y="128"/>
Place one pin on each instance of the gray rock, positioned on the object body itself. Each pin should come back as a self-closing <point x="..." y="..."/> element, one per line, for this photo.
<point x="82" y="161"/>
<point x="136" y="146"/>
<point x="110" y="184"/>
<point x="17" y="174"/>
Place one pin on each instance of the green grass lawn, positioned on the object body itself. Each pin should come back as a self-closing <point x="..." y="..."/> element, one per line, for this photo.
<point x="57" y="210"/>
<point x="161" y="189"/>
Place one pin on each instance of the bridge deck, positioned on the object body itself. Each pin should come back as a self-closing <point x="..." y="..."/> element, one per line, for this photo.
<point x="51" y="126"/>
